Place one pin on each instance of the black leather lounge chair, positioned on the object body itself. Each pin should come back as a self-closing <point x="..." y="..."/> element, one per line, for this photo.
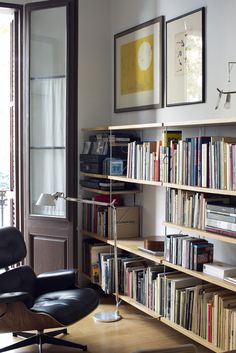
<point x="30" y="302"/>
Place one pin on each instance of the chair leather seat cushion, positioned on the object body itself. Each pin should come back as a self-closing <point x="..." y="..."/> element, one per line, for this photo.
<point x="67" y="306"/>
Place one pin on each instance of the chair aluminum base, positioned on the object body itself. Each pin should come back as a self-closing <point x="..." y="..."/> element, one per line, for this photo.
<point x="107" y="316"/>
<point x="40" y="338"/>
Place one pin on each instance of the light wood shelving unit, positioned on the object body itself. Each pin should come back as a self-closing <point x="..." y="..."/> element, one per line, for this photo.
<point x="202" y="233"/>
<point x="139" y="306"/>
<point x="199" y="189"/>
<point x="93" y="175"/>
<point x="201" y="123"/>
<point x="95" y="129"/>
<point x="135" y="127"/>
<point x="191" y="335"/>
<point x="115" y="192"/>
<point x="132" y="245"/>
<point x="135" y="181"/>
<point x="204" y="277"/>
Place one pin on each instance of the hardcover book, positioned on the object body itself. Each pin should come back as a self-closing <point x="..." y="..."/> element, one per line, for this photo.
<point x="219" y="269"/>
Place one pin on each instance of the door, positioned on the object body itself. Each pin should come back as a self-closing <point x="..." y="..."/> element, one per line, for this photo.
<point x="50" y="143"/>
<point x="10" y="135"/>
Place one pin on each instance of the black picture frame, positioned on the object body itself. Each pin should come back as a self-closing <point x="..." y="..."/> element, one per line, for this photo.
<point x="185" y="59"/>
<point x="139" y="67"/>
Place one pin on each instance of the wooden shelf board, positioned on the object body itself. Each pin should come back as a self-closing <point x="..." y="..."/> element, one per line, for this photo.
<point x="93" y="175"/>
<point x="191" y="335"/>
<point x="99" y="128"/>
<point x="95" y="236"/>
<point x="102" y="192"/>
<point x="207" y="278"/>
<point x="135" y="126"/>
<point x="135" y="181"/>
<point x="139" y="306"/>
<point x="202" y="233"/>
<point x="119" y="144"/>
<point x="202" y="122"/>
<point x="199" y="189"/>
<point x="132" y="247"/>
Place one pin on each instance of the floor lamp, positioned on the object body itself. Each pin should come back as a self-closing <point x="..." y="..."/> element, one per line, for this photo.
<point x="49" y="200"/>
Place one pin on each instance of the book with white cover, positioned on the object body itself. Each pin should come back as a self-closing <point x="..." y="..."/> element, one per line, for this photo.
<point x="219" y="269"/>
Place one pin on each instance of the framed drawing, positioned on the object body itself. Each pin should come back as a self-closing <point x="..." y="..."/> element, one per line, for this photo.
<point x="185" y="59"/>
<point x="138" y="66"/>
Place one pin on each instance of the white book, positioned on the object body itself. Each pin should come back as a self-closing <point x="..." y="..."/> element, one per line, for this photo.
<point x="144" y="162"/>
<point x="213" y="166"/>
<point x="138" y="165"/>
<point x="219" y="269"/>
<point x="147" y="166"/>
<point x="204" y="165"/>
<point x="228" y="182"/>
<point x="196" y="210"/>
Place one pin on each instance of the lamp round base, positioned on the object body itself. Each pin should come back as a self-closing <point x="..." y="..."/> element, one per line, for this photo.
<point x="106" y="316"/>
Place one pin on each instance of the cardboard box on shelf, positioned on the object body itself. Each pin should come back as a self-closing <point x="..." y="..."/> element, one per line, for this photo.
<point x="127" y="220"/>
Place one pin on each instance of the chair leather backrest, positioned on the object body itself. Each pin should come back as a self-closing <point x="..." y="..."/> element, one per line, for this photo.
<point x="12" y="246"/>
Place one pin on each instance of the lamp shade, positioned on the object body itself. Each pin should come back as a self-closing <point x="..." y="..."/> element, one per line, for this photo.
<point x="46" y="200"/>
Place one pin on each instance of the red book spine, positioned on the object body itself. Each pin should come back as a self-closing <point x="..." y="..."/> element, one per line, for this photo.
<point x="209" y="322"/>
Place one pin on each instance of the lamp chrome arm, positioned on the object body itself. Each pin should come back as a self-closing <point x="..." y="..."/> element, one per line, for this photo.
<point x="49" y="200"/>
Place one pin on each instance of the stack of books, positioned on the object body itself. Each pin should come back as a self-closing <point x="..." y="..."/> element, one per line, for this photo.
<point x="221" y="219"/>
<point x="188" y="252"/>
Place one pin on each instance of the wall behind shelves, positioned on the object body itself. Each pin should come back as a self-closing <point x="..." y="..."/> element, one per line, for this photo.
<point x="220" y="48"/>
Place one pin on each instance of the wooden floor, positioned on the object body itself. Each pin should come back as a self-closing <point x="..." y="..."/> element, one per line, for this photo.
<point x="135" y="331"/>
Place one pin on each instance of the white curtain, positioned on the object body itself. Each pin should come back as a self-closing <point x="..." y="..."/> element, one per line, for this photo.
<point x="47" y="142"/>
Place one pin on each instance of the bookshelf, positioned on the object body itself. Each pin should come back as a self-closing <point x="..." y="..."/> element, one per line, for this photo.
<point x="139" y="306"/>
<point x="94" y="175"/>
<point x="131" y="246"/>
<point x="135" y="181"/>
<point x="191" y="335"/>
<point x="199" y="189"/>
<point x="117" y="192"/>
<point x="201" y="233"/>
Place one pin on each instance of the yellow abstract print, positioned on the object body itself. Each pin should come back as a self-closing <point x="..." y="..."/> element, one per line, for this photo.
<point x="136" y="58"/>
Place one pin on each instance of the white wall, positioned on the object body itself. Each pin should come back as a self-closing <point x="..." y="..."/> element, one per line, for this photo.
<point x="94" y="77"/>
<point x="94" y="99"/>
<point x="220" y="48"/>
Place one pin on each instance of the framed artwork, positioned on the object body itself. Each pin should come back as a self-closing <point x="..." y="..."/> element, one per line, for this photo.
<point x="138" y="65"/>
<point x="185" y="59"/>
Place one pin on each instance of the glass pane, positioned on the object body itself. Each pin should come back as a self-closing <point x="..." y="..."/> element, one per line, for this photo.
<point x="47" y="108"/>
<point x="6" y="118"/>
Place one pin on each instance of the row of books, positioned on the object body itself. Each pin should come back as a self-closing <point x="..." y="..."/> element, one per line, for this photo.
<point x="95" y="218"/>
<point x="205" y="309"/>
<point x="186" y="208"/>
<point x="202" y="161"/>
<point x="188" y="252"/>
<point x="91" y="250"/>
<point x="213" y="213"/>
<point x="150" y="160"/>
<point x="143" y="160"/>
